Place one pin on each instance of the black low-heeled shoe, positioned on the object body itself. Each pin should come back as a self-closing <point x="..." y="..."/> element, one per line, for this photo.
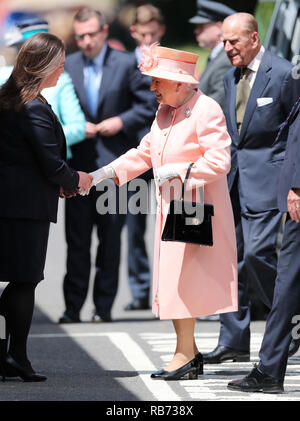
<point x="16" y="370"/>
<point x="191" y="370"/>
<point x="157" y="374"/>
<point x="3" y="352"/>
<point x="199" y="359"/>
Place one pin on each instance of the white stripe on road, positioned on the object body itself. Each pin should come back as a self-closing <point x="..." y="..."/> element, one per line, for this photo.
<point x="139" y="360"/>
<point x="212" y="385"/>
<point x="134" y="355"/>
<point x="207" y="388"/>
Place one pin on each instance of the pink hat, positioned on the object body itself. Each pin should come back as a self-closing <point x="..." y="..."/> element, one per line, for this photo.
<point x="167" y="63"/>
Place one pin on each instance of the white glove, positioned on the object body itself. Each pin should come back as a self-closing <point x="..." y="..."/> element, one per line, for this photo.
<point x="98" y="176"/>
<point x="165" y="172"/>
<point x="102" y="174"/>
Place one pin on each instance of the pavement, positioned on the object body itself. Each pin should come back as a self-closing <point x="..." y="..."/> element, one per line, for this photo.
<point x="110" y="363"/>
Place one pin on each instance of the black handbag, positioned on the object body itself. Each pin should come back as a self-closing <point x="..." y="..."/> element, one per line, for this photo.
<point x="189" y="222"/>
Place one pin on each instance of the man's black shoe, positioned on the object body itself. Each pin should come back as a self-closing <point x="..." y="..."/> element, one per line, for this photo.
<point x="104" y="318"/>
<point x="294" y="346"/>
<point x="257" y="382"/>
<point x="65" y="318"/>
<point x="223" y="353"/>
<point x="138" y="304"/>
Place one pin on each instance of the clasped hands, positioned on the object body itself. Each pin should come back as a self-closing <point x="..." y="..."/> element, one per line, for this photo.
<point x="97" y="176"/>
<point x="108" y="127"/>
<point x="293" y="204"/>
<point x="85" y="182"/>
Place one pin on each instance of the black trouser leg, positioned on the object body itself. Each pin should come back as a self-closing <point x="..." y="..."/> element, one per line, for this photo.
<point x="286" y="305"/>
<point x="109" y="228"/>
<point x="79" y="225"/>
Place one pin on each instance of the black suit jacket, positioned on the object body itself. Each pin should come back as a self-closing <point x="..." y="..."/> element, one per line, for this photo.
<point x="124" y="92"/>
<point x="32" y="163"/>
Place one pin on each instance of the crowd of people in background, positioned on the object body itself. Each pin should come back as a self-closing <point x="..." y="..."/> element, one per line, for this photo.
<point x="107" y="105"/>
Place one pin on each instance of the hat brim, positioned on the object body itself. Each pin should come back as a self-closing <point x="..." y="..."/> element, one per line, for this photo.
<point x="13" y="43"/>
<point x="177" y="77"/>
<point x="199" y="19"/>
<point x="23" y="37"/>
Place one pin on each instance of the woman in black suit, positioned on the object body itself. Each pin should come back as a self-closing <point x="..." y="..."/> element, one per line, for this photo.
<point x="33" y="173"/>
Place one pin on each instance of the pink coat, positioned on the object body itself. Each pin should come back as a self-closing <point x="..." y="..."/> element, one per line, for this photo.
<point x="190" y="280"/>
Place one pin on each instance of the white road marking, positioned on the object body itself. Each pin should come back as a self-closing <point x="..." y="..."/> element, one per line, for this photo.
<point x="212" y="385"/>
<point x="133" y="353"/>
<point x="139" y="360"/>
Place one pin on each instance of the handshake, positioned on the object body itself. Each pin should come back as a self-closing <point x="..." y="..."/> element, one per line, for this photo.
<point x="96" y="177"/>
<point x="86" y="181"/>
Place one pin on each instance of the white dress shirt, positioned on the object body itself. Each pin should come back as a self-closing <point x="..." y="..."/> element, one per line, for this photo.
<point x="254" y="66"/>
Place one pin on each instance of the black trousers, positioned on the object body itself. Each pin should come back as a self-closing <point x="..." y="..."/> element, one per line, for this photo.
<point x="139" y="276"/>
<point x="285" y="312"/>
<point x="81" y="217"/>
<point x="256" y="235"/>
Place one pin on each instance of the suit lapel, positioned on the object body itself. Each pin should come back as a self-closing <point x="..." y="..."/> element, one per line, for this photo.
<point x="261" y="81"/>
<point x="106" y="76"/>
<point x="78" y="80"/>
<point x="232" y="99"/>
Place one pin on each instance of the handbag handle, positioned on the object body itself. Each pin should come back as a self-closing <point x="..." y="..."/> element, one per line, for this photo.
<point x="201" y="189"/>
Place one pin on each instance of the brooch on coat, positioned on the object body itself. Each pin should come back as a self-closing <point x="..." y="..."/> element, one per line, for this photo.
<point x="187" y="112"/>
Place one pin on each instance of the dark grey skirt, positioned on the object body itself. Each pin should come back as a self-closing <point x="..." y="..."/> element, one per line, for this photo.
<point x="23" y="248"/>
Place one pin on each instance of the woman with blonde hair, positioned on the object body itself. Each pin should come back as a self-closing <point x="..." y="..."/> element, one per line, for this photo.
<point x="189" y="280"/>
<point x="33" y="173"/>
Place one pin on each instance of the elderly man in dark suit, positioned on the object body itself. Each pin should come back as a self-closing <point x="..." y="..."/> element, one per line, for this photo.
<point x="260" y="91"/>
<point x="208" y="21"/>
<point x="268" y="375"/>
<point x="116" y="101"/>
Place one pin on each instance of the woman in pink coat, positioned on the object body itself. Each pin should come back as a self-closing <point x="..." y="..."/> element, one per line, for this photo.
<point x="188" y="280"/>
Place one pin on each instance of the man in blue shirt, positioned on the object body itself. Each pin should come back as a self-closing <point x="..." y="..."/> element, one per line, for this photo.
<point x="116" y="101"/>
<point x="148" y="27"/>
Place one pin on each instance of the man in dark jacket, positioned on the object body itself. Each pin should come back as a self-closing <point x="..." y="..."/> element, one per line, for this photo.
<point x="268" y="375"/>
<point x="208" y="21"/>
<point x="148" y="27"/>
<point x="116" y="101"/>
<point x="260" y="90"/>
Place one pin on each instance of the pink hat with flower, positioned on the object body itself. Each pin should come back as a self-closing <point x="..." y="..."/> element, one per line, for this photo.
<point x="167" y="63"/>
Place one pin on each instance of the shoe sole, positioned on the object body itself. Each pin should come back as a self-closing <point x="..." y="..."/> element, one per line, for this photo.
<point x="188" y="376"/>
<point x="136" y="308"/>
<point x="253" y="390"/>
<point x="192" y="375"/>
<point x="241" y="359"/>
<point x="67" y="323"/>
